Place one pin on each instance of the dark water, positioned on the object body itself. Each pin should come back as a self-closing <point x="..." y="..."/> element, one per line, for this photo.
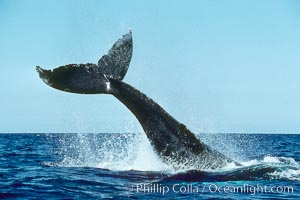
<point x="120" y="166"/>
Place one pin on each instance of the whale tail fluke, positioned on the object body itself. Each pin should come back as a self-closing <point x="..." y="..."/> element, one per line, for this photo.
<point x="91" y="78"/>
<point x="115" y="64"/>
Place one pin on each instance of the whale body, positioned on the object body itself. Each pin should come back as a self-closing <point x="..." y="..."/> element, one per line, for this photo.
<point x="176" y="145"/>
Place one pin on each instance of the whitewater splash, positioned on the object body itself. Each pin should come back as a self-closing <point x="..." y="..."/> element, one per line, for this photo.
<point x="129" y="151"/>
<point x="114" y="151"/>
<point x="285" y="168"/>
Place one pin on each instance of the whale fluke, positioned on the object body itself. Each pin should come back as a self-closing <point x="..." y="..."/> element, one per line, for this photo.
<point x="115" y="64"/>
<point x="90" y="78"/>
<point x="171" y="140"/>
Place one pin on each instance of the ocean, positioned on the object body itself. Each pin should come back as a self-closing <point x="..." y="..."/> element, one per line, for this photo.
<point x="124" y="166"/>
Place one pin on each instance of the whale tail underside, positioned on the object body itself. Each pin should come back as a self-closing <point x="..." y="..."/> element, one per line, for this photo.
<point x="92" y="78"/>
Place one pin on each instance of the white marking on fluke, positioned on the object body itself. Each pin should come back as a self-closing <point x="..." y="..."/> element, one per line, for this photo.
<point x="108" y="86"/>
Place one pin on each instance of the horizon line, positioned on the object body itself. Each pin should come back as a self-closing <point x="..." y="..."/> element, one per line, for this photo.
<point x="291" y="133"/>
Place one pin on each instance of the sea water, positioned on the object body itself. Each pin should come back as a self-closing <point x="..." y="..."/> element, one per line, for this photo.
<point x="124" y="166"/>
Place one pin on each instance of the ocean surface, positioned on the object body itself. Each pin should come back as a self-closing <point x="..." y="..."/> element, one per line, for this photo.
<point x="124" y="166"/>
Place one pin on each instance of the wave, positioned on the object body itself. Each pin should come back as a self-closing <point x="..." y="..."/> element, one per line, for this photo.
<point x="267" y="168"/>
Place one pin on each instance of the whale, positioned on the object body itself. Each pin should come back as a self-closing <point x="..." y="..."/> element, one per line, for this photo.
<point x="171" y="140"/>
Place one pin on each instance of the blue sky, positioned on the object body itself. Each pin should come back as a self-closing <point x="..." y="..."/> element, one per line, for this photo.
<point x="217" y="66"/>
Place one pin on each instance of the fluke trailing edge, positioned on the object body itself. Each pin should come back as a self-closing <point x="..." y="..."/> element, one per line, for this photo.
<point x="171" y="140"/>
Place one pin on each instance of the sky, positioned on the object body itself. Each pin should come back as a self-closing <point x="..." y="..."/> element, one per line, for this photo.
<point x="216" y="66"/>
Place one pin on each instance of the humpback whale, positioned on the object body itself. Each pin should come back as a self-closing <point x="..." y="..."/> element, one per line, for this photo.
<point x="172" y="141"/>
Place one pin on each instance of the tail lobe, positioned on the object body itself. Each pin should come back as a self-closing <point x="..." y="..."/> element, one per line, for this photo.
<point x="91" y="78"/>
<point x="115" y="64"/>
